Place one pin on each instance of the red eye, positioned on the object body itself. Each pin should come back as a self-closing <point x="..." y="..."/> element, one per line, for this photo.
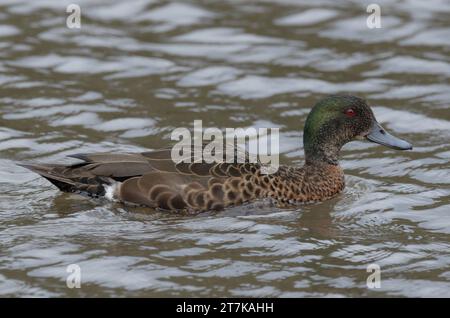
<point x="350" y="112"/>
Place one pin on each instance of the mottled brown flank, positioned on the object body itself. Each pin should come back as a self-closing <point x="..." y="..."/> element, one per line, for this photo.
<point x="224" y="187"/>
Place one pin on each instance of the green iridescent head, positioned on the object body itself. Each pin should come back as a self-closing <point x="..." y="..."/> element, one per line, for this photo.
<point x="337" y="120"/>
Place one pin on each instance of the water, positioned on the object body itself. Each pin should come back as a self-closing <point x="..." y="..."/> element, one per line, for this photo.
<point x="135" y="71"/>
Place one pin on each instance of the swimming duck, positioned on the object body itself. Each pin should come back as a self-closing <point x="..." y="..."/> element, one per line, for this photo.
<point x="153" y="179"/>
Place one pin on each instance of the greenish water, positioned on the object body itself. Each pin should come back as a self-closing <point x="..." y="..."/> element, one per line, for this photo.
<point x="138" y="69"/>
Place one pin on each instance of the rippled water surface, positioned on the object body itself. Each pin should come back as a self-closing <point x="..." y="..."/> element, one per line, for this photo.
<point x="137" y="69"/>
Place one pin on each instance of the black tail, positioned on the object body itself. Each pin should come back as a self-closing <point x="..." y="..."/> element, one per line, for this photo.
<point x="63" y="179"/>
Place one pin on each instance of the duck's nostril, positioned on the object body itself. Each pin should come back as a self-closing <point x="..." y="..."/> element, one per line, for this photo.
<point x="382" y="131"/>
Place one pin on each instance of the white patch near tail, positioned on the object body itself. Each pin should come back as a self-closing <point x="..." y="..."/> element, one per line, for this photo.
<point x="112" y="190"/>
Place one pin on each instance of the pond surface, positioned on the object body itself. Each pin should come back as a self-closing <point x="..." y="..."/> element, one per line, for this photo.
<point x="138" y="69"/>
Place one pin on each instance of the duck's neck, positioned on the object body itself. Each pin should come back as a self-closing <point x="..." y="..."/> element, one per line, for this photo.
<point x="321" y="148"/>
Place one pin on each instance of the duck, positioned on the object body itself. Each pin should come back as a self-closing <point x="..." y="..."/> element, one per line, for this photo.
<point x="152" y="179"/>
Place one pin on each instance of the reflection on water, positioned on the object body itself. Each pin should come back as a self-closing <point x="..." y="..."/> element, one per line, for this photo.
<point x="135" y="71"/>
